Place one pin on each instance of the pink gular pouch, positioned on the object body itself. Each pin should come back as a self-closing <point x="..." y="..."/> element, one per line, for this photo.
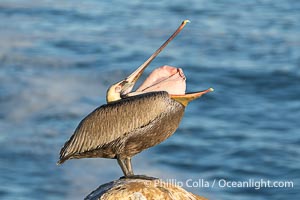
<point x="165" y="78"/>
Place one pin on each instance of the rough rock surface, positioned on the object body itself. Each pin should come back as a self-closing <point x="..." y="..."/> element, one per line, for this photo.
<point x="140" y="189"/>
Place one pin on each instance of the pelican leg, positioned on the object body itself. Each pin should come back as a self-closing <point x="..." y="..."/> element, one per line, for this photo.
<point x="123" y="166"/>
<point x="128" y="171"/>
<point x="129" y="166"/>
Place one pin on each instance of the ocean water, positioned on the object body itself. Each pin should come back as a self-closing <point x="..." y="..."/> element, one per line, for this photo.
<point x="57" y="58"/>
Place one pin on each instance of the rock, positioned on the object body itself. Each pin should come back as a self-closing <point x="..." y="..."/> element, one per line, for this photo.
<point x="140" y="189"/>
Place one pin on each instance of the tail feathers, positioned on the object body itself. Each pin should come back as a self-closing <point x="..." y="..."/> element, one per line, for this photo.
<point x="63" y="154"/>
<point x="61" y="161"/>
<point x="63" y="157"/>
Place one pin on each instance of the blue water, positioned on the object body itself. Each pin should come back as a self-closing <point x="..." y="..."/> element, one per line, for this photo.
<point x="57" y="58"/>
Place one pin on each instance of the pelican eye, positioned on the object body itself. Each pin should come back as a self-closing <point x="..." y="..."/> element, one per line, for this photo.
<point x="118" y="89"/>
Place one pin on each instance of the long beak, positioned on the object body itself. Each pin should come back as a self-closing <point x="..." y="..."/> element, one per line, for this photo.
<point x="186" y="98"/>
<point x="132" y="78"/>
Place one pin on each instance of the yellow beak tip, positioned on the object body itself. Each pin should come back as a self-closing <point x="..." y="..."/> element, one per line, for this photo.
<point x="211" y="89"/>
<point x="186" y="21"/>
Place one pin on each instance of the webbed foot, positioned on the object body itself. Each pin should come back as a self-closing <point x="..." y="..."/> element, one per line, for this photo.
<point x="144" y="177"/>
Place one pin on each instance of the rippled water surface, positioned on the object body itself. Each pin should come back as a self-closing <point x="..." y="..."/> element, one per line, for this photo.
<point x="57" y="58"/>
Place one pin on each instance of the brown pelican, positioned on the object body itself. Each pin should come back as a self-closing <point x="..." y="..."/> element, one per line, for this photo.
<point x="133" y="121"/>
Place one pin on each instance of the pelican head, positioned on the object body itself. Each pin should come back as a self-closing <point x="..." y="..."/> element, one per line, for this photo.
<point x="165" y="78"/>
<point x="119" y="90"/>
<point x="122" y="88"/>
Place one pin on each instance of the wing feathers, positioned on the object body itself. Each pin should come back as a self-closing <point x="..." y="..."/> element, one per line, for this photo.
<point x="112" y="121"/>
